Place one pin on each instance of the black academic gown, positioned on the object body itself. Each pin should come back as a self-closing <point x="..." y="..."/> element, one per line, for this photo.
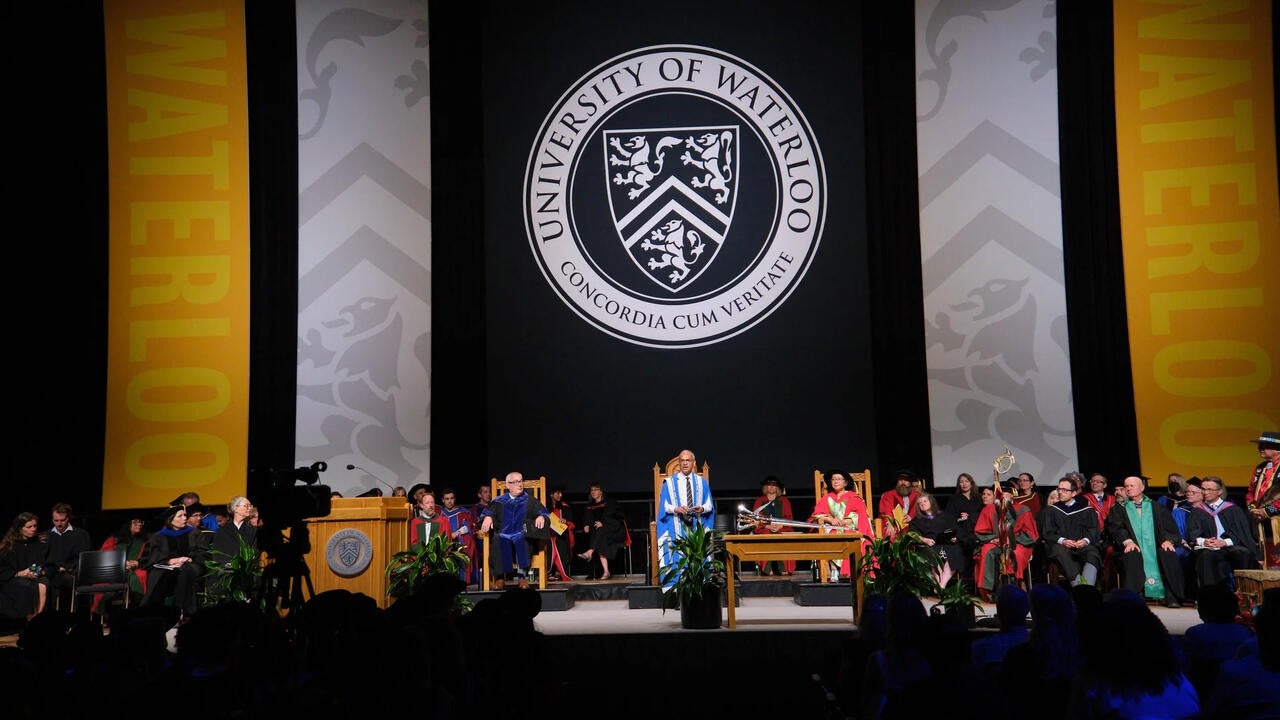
<point x="1075" y="521"/>
<point x="226" y="541"/>
<point x="19" y="596"/>
<point x="1213" y="567"/>
<point x="1132" y="577"/>
<point x="958" y="504"/>
<point x="941" y="529"/>
<point x="610" y="538"/>
<point x="179" y="584"/>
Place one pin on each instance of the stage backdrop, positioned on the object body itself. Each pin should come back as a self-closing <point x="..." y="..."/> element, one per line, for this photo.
<point x="1195" y="138"/>
<point x="364" y="234"/>
<point x="991" y="239"/>
<point x="674" y="241"/>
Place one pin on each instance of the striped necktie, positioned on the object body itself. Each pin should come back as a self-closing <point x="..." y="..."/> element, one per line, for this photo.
<point x="688" y="490"/>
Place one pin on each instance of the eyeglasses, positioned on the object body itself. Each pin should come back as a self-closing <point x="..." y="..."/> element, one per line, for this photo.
<point x="1065" y="490"/>
<point x="514" y="481"/>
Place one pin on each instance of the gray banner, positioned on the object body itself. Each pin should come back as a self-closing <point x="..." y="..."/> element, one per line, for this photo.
<point x="364" y="310"/>
<point x="991" y="238"/>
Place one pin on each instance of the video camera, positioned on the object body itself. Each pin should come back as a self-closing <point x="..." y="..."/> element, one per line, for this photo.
<point x="285" y="498"/>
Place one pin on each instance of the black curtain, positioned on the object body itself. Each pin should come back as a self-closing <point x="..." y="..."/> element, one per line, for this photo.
<point x="272" y="57"/>
<point x="458" y="392"/>
<point x="893" y="242"/>
<point x="1106" y="427"/>
<point x="57" y="259"/>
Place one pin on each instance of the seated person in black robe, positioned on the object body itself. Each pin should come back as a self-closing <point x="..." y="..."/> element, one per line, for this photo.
<point x="605" y="526"/>
<point x="938" y="530"/>
<point x="175" y="562"/>
<point x="1220" y="535"/>
<point x="1069" y="529"/>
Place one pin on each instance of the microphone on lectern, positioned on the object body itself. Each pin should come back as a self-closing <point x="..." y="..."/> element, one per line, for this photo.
<point x="366" y="472"/>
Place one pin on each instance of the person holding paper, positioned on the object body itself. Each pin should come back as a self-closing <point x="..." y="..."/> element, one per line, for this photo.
<point x="562" y="527"/>
<point x="174" y="563"/>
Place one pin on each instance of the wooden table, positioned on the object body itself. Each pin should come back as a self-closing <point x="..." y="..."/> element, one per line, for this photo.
<point x="797" y="546"/>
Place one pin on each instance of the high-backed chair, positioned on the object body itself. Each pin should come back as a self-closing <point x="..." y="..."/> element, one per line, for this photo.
<point x="859" y="483"/>
<point x="660" y="474"/>
<point x="537" y="555"/>
<point x="101" y="571"/>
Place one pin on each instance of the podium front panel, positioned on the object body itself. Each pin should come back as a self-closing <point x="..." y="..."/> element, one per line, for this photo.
<point x="351" y="546"/>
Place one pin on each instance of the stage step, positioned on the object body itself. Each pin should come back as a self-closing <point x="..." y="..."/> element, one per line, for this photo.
<point x="554" y="599"/>
<point x="811" y="594"/>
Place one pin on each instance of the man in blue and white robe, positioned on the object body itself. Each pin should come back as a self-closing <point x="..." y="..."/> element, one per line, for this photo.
<point x="685" y="500"/>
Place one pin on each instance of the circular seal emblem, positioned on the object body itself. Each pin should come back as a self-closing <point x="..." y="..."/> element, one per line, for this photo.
<point x="674" y="196"/>
<point x="348" y="552"/>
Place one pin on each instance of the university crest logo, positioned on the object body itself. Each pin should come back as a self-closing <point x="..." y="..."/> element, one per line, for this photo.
<point x="348" y="552"/>
<point x="674" y="196"/>
<point x="672" y="214"/>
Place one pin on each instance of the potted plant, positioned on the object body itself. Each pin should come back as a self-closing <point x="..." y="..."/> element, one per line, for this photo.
<point x="956" y="602"/>
<point x="900" y="561"/>
<point x="234" y="578"/>
<point x="407" y="568"/>
<point x="695" y="578"/>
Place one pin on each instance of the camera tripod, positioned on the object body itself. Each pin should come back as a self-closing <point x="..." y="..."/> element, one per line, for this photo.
<point x="286" y="573"/>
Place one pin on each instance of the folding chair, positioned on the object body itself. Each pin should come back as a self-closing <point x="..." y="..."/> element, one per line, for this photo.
<point x="100" y="571"/>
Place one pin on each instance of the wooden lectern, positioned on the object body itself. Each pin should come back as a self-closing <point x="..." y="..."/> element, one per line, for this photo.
<point x="351" y="546"/>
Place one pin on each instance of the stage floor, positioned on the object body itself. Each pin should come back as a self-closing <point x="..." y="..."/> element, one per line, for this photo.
<point x="765" y="604"/>
<point x="772" y="614"/>
<point x="754" y="614"/>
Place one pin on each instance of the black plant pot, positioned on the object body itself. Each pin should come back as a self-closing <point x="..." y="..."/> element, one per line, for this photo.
<point x="703" y="612"/>
<point x="963" y="615"/>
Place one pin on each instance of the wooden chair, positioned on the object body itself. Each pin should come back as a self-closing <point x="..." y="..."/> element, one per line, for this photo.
<point x="659" y="476"/>
<point x="537" y="555"/>
<point x="859" y="483"/>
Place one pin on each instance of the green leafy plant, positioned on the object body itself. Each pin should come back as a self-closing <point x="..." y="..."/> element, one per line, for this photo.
<point x="407" y="568"/>
<point x="899" y="562"/>
<point x="697" y="564"/>
<point x="956" y="595"/>
<point x="233" y="578"/>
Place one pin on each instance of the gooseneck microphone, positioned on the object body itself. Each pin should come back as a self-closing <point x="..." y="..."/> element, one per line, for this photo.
<point x="366" y="472"/>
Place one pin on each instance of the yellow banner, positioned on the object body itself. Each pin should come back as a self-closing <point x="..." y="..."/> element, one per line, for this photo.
<point x="178" y="334"/>
<point x="1195" y="134"/>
